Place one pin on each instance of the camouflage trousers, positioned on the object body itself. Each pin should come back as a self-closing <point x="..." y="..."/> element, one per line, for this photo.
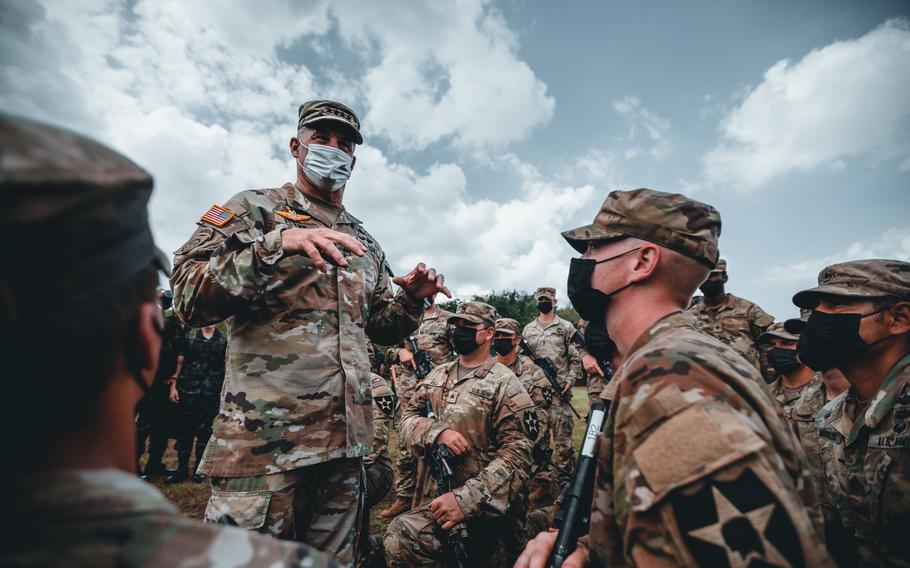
<point x="415" y="539"/>
<point x="406" y="463"/>
<point x="319" y="505"/>
<point x="378" y="483"/>
<point x="561" y="423"/>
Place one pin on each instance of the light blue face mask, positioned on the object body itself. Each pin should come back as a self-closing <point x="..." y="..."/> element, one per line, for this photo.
<point x="326" y="167"/>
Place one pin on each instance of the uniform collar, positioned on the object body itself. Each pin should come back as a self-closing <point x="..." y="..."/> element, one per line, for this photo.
<point x="327" y="213"/>
<point x="888" y="392"/>
<point x="673" y="320"/>
<point x="555" y="321"/>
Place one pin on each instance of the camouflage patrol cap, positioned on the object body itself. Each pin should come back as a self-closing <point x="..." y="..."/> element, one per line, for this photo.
<point x="546" y="292"/>
<point x="475" y="312"/>
<point x="83" y="208"/>
<point x="671" y="220"/>
<point x="508" y="325"/>
<point x="720" y="267"/>
<point x="779" y="331"/>
<point x="316" y="111"/>
<point x="872" y="278"/>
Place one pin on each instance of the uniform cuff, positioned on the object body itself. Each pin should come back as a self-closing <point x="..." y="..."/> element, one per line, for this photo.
<point x="411" y="304"/>
<point x="268" y="248"/>
<point x="466" y="500"/>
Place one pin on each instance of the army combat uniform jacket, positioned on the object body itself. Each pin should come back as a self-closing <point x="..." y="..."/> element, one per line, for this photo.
<point x="698" y="468"/>
<point x="866" y="455"/>
<point x="737" y="322"/>
<point x="491" y="409"/>
<point x="554" y="340"/>
<point x="297" y="387"/>
<point x="378" y="464"/>
<point x="110" y="518"/>
<point x="787" y="397"/>
<point x="431" y="337"/>
<point x="538" y="387"/>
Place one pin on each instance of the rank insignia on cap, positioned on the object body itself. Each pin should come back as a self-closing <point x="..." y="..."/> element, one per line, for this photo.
<point x="293" y="216"/>
<point x="218" y="216"/>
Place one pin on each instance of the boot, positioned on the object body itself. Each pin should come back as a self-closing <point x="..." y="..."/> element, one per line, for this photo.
<point x="398" y="506"/>
<point x="182" y="473"/>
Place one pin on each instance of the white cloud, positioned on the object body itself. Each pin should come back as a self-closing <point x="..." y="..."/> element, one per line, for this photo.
<point x="644" y="123"/>
<point x="893" y="244"/>
<point x="846" y="100"/>
<point x="446" y="70"/>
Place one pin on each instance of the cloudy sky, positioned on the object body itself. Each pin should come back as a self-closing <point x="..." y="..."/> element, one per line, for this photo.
<point x="491" y="126"/>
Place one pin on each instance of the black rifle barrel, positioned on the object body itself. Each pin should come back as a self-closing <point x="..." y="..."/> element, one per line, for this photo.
<point x="549" y="371"/>
<point x="576" y="507"/>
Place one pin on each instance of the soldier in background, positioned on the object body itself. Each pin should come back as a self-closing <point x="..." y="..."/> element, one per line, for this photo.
<point x="860" y="324"/>
<point x="156" y="419"/>
<point x="731" y="319"/>
<point x="196" y="392"/>
<point x="432" y="337"/>
<point x="73" y="498"/>
<point x="599" y="347"/>
<point x="302" y="286"/>
<point x="488" y="421"/>
<point x="793" y="378"/>
<point x="551" y="336"/>
<point x="696" y="466"/>
<point x="377" y="470"/>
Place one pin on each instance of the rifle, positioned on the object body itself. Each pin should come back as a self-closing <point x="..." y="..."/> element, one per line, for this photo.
<point x="422" y="362"/>
<point x="549" y="371"/>
<point x="574" y="514"/>
<point x="441" y="465"/>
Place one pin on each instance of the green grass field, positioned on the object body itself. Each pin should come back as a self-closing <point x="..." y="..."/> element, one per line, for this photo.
<point x="191" y="498"/>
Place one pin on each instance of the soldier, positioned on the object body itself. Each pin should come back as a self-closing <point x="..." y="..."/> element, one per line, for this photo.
<point x="73" y="498"/>
<point x="156" y="420"/>
<point x="696" y="466"/>
<point x="794" y="377"/>
<point x="860" y="324"/>
<point x="731" y="319"/>
<point x="432" y="337"/>
<point x="599" y="347"/>
<point x="196" y="391"/>
<point x="551" y="336"/>
<point x="377" y="468"/>
<point x="302" y="285"/>
<point x="488" y="421"/>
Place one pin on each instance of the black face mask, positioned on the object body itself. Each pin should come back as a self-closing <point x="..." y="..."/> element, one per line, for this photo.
<point x="503" y="346"/>
<point x="783" y="360"/>
<point x="590" y="304"/>
<point x="464" y="340"/>
<point x="545" y="307"/>
<point x="831" y="340"/>
<point x="598" y="341"/>
<point x="712" y="288"/>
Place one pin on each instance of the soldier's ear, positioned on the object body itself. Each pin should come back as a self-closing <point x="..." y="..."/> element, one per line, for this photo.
<point x="901" y="323"/>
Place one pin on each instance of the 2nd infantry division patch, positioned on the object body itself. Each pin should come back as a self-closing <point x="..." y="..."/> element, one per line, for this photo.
<point x="218" y="216"/>
<point x="736" y="524"/>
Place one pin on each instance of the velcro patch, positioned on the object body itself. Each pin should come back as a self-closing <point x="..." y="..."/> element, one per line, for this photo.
<point x="484" y="391"/>
<point x="691" y="445"/>
<point x="218" y="216"/>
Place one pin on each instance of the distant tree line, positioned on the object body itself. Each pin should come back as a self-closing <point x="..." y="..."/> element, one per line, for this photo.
<point x="515" y="304"/>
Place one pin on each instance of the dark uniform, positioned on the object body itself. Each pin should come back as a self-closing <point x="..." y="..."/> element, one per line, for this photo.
<point x="156" y="417"/>
<point x="199" y="386"/>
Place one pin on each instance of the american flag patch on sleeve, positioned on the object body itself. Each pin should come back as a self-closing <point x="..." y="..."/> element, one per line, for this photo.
<point x="218" y="216"/>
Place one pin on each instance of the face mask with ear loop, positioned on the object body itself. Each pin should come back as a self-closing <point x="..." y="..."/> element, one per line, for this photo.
<point x="326" y="167"/>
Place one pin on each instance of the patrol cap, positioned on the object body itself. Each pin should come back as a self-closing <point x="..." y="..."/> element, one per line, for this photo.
<point x="671" y="220"/>
<point x="508" y="325"/>
<point x="779" y="331"/>
<point x="316" y="111"/>
<point x="546" y="292"/>
<point x="720" y="267"/>
<point x="475" y="312"/>
<point x="82" y="208"/>
<point x="873" y="278"/>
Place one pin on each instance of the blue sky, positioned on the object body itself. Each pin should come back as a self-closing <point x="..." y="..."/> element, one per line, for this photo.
<point x="491" y="126"/>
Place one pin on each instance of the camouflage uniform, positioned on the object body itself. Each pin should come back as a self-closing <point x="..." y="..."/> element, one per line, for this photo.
<point x="199" y="386"/>
<point x="295" y="412"/>
<point x="553" y="339"/>
<point x="491" y="409"/>
<point x="110" y="518"/>
<point x="864" y="445"/>
<point x="378" y="465"/>
<point x="736" y="322"/>
<point x="90" y="203"/>
<point x="696" y="466"/>
<point x="432" y="337"/>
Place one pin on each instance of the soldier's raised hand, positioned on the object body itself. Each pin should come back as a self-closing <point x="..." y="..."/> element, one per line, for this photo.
<point x="320" y="245"/>
<point x="422" y="282"/>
